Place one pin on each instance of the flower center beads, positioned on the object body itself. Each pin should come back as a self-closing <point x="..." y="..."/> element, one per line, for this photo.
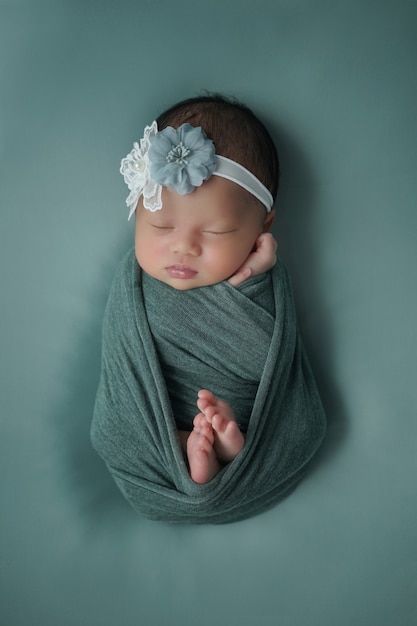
<point x="179" y="154"/>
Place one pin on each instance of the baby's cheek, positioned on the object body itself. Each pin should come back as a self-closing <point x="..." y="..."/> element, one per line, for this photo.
<point x="234" y="258"/>
<point x="144" y="255"/>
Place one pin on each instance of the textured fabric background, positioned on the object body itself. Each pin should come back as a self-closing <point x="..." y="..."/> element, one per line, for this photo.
<point x="335" y="81"/>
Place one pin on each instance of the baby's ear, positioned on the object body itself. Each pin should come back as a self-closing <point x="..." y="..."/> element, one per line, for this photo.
<point x="269" y="220"/>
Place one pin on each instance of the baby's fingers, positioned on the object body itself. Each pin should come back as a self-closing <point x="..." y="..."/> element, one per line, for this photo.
<point x="266" y="245"/>
<point x="241" y="275"/>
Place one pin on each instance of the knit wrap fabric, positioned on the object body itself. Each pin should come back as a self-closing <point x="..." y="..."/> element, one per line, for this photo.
<point x="135" y="428"/>
<point x="217" y="339"/>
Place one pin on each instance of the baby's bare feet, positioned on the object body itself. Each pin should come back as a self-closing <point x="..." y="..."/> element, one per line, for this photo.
<point x="228" y="440"/>
<point x="201" y="455"/>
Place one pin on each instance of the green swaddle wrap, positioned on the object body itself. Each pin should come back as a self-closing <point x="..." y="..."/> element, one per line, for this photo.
<point x="218" y="339"/>
<point x="148" y="355"/>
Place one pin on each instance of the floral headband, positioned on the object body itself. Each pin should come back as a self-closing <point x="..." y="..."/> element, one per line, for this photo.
<point x="180" y="159"/>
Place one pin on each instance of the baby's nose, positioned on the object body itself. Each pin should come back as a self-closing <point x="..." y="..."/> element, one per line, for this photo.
<point x="186" y="244"/>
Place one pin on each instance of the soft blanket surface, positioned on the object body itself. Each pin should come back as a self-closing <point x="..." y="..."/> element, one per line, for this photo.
<point x="134" y="426"/>
<point x="216" y="338"/>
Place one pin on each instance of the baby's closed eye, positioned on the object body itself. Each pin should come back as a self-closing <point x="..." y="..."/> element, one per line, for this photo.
<point x="219" y="232"/>
<point x="158" y="227"/>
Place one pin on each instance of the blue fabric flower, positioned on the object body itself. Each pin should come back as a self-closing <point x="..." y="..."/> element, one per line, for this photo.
<point x="181" y="159"/>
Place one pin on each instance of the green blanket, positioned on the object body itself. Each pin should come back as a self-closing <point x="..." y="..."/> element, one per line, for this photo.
<point x="135" y="426"/>
<point x="228" y="334"/>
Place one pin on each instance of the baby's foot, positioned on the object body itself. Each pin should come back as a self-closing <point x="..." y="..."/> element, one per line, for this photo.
<point x="200" y="452"/>
<point x="228" y="440"/>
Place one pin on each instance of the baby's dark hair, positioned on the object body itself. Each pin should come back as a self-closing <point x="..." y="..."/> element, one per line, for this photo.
<point x="235" y="131"/>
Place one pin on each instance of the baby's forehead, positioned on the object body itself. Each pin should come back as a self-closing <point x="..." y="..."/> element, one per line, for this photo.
<point x="194" y="214"/>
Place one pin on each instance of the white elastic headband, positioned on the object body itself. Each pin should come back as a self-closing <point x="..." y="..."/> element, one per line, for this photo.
<point x="180" y="159"/>
<point x="226" y="168"/>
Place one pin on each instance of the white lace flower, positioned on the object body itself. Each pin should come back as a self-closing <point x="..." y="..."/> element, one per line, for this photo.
<point x="135" y="171"/>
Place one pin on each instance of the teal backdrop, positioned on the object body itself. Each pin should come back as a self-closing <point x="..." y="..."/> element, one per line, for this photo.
<point x="336" y="83"/>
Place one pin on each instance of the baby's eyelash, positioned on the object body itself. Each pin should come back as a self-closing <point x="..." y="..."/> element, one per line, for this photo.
<point x="206" y="232"/>
<point x="219" y="232"/>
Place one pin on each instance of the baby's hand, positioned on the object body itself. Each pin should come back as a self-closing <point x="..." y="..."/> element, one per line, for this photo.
<point x="258" y="262"/>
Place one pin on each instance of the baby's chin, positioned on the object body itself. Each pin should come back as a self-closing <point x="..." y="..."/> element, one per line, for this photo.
<point x="188" y="284"/>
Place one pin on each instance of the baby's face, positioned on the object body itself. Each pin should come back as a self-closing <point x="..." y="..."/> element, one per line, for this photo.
<point x="201" y="238"/>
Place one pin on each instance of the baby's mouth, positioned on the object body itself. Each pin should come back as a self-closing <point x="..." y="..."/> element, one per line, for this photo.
<point x="181" y="271"/>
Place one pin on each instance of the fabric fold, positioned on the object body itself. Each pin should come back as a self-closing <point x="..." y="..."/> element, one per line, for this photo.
<point x="134" y="427"/>
<point x="215" y="338"/>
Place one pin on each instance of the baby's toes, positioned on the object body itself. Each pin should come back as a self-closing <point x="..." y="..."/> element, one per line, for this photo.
<point x="199" y="421"/>
<point x="206" y="394"/>
<point x="225" y="410"/>
<point x="203" y="428"/>
<point x="207" y="432"/>
<point x="219" y="423"/>
<point x="209" y="413"/>
<point x="202" y="404"/>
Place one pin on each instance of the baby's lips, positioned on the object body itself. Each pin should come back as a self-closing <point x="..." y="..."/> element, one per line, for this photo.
<point x="181" y="271"/>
